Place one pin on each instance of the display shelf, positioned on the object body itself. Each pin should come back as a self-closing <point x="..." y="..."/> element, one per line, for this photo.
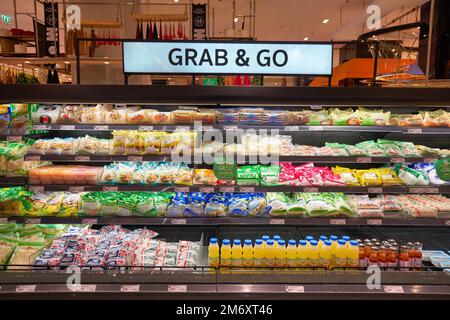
<point x="239" y="189"/>
<point x="250" y="221"/>
<point x="233" y="127"/>
<point x="198" y="159"/>
<point x="12" y="181"/>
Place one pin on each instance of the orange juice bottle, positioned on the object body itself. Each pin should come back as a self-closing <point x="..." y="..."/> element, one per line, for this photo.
<point x="302" y="254"/>
<point x="225" y="255"/>
<point x="236" y="254"/>
<point x="213" y="253"/>
<point x="325" y="254"/>
<point x="313" y="254"/>
<point x="269" y="254"/>
<point x="280" y="254"/>
<point x="258" y="254"/>
<point x="247" y="254"/>
<point x="291" y="254"/>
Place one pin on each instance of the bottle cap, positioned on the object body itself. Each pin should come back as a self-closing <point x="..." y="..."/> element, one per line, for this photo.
<point x="276" y="237"/>
<point x="342" y="241"/>
<point x="265" y="237"/>
<point x="281" y="242"/>
<point x="333" y="238"/>
<point x="302" y="242"/>
<point x="292" y="242"/>
<point x="327" y="242"/>
<point x="354" y="242"/>
<point x="237" y="242"/>
<point x="226" y="242"/>
<point x="323" y="238"/>
<point x="213" y="240"/>
<point x="248" y="242"/>
<point x="313" y="242"/>
<point x="346" y="238"/>
<point x="270" y="242"/>
<point x="309" y="238"/>
<point x="258" y="242"/>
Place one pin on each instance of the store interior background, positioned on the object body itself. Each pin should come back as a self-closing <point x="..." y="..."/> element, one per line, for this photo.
<point x="264" y="20"/>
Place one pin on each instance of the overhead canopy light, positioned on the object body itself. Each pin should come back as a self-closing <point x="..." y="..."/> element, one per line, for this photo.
<point x="305" y="38"/>
<point x="326" y="20"/>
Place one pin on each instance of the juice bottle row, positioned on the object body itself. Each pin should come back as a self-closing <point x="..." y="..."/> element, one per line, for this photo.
<point x="325" y="252"/>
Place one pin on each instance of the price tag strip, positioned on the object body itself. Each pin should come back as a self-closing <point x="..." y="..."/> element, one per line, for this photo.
<point x="177" y="288"/>
<point x="26" y="288"/>
<point x="393" y="289"/>
<point x="276" y="221"/>
<point x="374" y="222"/>
<point x="178" y="221"/>
<point x="338" y="222"/>
<point x="32" y="221"/>
<point x="84" y="288"/>
<point x="89" y="221"/>
<point x="130" y="288"/>
<point x="295" y="289"/>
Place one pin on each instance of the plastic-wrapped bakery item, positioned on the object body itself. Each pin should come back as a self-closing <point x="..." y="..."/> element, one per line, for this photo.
<point x="70" y="114"/>
<point x="69" y="174"/>
<point x="119" y="142"/>
<point x="228" y="116"/>
<point x="24" y="255"/>
<point x="176" y="206"/>
<point x="169" y="142"/>
<point x="204" y="177"/>
<point x="411" y="177"/>
<point x="152" y="142"/>
<point x="183" y="175"/>
<point x="134" y="143"/>
<point x="115" y="114"/>
<point x="371" y="148"/>
<point x="125" y="171"/>
<point x="216" y="205"/>
<point x="88" y="145"/>
<point x="298" y="117"/>
<point x="238" y="204"/>
<point x="346" y="117"/>
<point x="389" y="177"/>
<point x="438" y="118"/>
<point x="248" y="176"/>
<point x="69" y="205"/>
<point x="408" y="149"/>
<point x="205" y="116"/>
<point x="162" y="201"/>
<point x="296" y="205"/>
<point x="44" y="114"/>
<point x="183" y="116"/>
<point x="257" y="206"/>
<point x="89" y="204"/>
<point x="427" y="151"/>
<point x="336" y="150"/>
<point x="274" y="117"/>
<point x="145" y="204"/>
<point x="391" y="206"/>
<point x="136" y="115"/>
<point x="165" y="173"/>
<point x="108" y="203"/>
<point x="250" y="116"/>
<point x="317" y="205"/>
<point x="370" y="177"/>
<point x="277" y="203"/>
<point x="375" y="117"/>
<point x="319" y="118"/>
<point x="194" y="204"/>
<point x="269" y="175"/>
<point x="109" y="174"/>
<point x="92" y="115"/>
<point x="126" y="204"/>
<point x="410" y="120"/>
<point x="354" y="150"/>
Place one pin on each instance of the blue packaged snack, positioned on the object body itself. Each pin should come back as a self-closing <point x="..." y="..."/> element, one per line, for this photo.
<point x="216" y="205"/>
<point x="194" y="204"/>
<point x="176" y="206"/>
<point x="238" y="204"/>
<point x="257" y="207"/>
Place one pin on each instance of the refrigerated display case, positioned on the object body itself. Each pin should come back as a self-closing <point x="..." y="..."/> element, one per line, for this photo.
<point x="409" y="126"/>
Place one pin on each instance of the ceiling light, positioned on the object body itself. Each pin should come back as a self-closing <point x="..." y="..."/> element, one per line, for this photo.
<point x="176" y="0"/>
<point x="106" y="62"/>
<point x="305" y="38"/>
<point x="326" y="20"/>
<point x="236" y="19"/>
<point x="393" y="50"/>
<point x="19" y="65"/>
<point x="27" y="61"/>
<point x="169" y="78"/>
<point x="66" y="62"/>
<point x="36" y="69"/>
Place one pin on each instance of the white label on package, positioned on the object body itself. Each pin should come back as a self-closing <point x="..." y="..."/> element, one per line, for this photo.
<point x="230" y="128"/>
<point x="182" y="57"/>
<point x="316" y="107"/>
<point x="393" y="289"/>
<point x="295" y="289"/>
<point x="130" y="288"/>
<point x="177" y="288"/>
<point x="26" y="288"/>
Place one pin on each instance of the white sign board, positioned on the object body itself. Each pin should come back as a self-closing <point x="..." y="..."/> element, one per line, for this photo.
<point x="194" y="57"/>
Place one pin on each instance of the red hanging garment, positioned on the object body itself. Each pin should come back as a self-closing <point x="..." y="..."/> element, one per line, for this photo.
<point x="150" y="32"/>
<point x="246" y="81"/>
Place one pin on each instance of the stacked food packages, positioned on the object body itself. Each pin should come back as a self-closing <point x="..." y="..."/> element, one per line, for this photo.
<point x="183" y="142"/>
<point x="121" y="114"/>
<point x="12" y="162"/>
<point x="18" y="202"/>
<point x="14" y="118"/>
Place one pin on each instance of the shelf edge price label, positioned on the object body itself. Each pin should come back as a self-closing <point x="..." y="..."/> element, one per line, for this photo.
<point x="89" y="221"/>
<point x="316" y="107"/>
<point x="310" y="189"/>
<point x="33" y="221"/>
<point x="82" y="158"/>
<point x="67" y="127"/>
<point x="148" y="128"/>
<point x="14" y="138"/>
<point x="338" y="222"/>
<point x="291" y="128"/>
<point x="26" y="288"/>
<point x="37" y="189"/>
<point x="135" y="158"/>
<point x="375" y="190"/>
<point x="276" y="221"/>
<point x="182" y="128"/>
<point x="32" y="158"/>
<point x="84" y="287"/>
<point x="130" y="288"/>
<point x="398" y="160"/>
<point x="177" y="288"/>
<point x="230" y="128"/>
<point x="416" y="190"/>
<point x="364" y="160"/>
<point x="206" y="189"/>
<point x="393" y="289"/>
<point x="431" y="190"/>
<point x="415" y="130"/>
<point x="181" y="189"/>
<point x="315" y="128"/>
<point x="110" y="188"/>
<point x="295" y="289"/>
<point x="208" y="128"/>
<point x="227" y="189"/>
<point x="374" y="222"/>
<point x="76" y="189"/>
<point x="178" y="221"/>
<point x="41" y="127"/>
<point x="101" y="128"/>
<point x="447" y="222"/>
<point x="3" y="220"/>
<point x="247" y="189"/>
